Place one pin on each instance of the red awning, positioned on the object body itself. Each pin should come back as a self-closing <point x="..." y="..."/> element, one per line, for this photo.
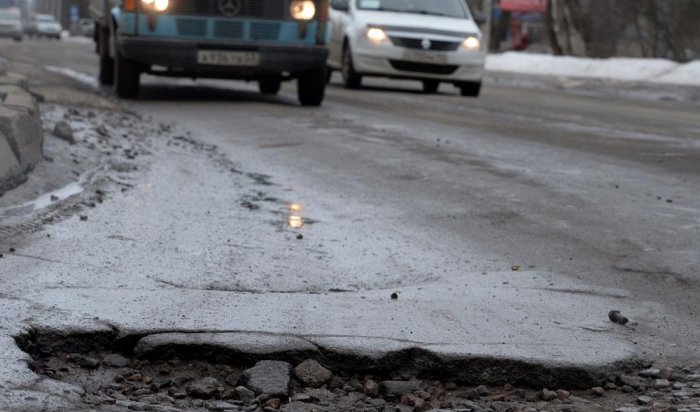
<point x="526" y="6"/>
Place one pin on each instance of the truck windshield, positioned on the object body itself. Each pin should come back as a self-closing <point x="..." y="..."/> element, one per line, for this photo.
<point x="448" y="8"/>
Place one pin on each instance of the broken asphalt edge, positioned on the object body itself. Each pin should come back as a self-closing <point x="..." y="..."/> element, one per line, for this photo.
<point x="377" y="356"/>
<point x="21" y="134"/>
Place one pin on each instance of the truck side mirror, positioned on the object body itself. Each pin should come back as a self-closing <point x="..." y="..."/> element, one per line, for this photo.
<point x="340" y="5"/>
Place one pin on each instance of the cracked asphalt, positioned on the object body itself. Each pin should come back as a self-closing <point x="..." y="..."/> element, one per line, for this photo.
<point x="509" y="226"/>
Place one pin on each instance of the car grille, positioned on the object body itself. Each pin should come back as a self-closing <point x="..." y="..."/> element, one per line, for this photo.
<point x="423" y="67"/>
<point x="268" y="9"/>
<point x="227" y="29"/>
<point x="436" y="45"/>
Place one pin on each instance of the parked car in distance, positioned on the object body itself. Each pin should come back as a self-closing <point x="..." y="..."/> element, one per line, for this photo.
<point x="427" y="40"/>
<point x="45" y="25"/>
<point x="86" y="27"/>
<point x="11" y="24"/>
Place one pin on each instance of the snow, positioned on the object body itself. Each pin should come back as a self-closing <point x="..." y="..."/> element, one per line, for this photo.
<point x="626" y="69"/>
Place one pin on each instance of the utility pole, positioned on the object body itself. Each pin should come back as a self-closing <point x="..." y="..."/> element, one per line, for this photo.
<point x="487" y="9"/>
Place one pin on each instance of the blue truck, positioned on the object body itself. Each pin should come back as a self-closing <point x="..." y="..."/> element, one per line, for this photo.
<point x="268" y="41"/>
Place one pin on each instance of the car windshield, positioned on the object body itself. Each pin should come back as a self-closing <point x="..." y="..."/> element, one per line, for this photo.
<point x="45" y="19"/>
<point x="450" y="8"/>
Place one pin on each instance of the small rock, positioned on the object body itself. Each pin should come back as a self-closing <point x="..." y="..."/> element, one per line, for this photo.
<point x="244" y="394"/>
<point x="450" y="386"/>
<point x="644" y="400"/>
<point x="627" y="409"/>
<point x="221" y="406"/>
<point x="371" y="388"/>
<point x="270" y="378"/>
<point x="204" y="388"/>
<point x="88" y="362"/>
<point x="115" y="361"/>
<point x="482" y="390"/>
<point x="562" y="394"/>
<point x="597" y="392"/>
<point x="102" y="130"/>
<point x="400" y="388"/>
<point x="422" y="394"/>
<point x="394" y="296"/>
<point x="650" y="373"/>
<point x="627" y="389"/>
<point x="63" y="131"/>
<point x="273" y="403"/>
<point x="548" y="395"/>
<point x="661" y="384"/>
<point x="313" y="374"/>
<point x="83" y="218"/>
<point x="616" y="317"/>
<point x="633" y="381"/>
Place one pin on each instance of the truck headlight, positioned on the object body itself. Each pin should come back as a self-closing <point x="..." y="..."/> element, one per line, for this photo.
<point x="157" y="5"/>
<point x="302" y="9"/>
<point x="472" y="43"/>
<point x="377" y="36"/>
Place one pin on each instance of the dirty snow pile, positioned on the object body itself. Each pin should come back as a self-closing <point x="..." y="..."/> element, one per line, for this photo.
<point x="627" y="69"/>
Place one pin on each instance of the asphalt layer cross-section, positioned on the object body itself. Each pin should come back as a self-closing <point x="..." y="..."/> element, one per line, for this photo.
<point x="508" y="226"/>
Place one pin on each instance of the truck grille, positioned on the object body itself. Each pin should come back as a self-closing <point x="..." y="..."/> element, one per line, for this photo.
<point x="268" y="9"/>
<point x="191" y="27"/>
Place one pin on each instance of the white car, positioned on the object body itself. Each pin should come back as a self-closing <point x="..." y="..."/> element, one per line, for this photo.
<point x="11" y="24"/>
<point x="429" y="40"/>
<point x="47" y="26"/>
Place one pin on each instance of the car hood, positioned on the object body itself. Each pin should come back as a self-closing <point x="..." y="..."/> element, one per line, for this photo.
<point x="417" y="21"/>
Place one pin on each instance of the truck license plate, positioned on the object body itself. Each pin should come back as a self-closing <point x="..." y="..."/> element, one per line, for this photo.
<point x="425" y="57"/>
<point x="227" y="58"/>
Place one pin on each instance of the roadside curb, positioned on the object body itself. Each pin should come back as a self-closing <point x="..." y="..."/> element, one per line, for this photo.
<point x="21" y="135"/>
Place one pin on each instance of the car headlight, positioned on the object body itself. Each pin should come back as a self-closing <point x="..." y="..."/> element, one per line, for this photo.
<point x="375" y="35"/>
<point x="302" y="9"/>
<point x="157" y="5"/>
<point x="472" y="43"/>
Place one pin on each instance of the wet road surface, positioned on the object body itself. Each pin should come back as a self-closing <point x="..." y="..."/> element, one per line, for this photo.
<point x="510" y="225"/>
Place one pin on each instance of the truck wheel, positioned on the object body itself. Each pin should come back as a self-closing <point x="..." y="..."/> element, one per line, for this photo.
<point x="127" y="76"/>
<point x="430" y="86"/>
<point x="311" y="87"/>
<point x="351" y="79"/>
<point x="270" y="85"/>
<point x="470" y="89"/>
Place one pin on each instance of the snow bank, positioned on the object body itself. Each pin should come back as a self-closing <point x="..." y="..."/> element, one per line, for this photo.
<point x="628" y="69"/>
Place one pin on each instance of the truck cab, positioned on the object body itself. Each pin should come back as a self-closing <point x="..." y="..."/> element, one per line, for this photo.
<point x="268" y="41"/>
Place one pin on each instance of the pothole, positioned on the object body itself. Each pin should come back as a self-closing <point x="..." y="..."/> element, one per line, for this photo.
<point x="211" y="378"/>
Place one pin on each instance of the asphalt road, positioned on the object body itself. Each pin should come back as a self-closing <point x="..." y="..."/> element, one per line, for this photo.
<point x="595" y="198"/>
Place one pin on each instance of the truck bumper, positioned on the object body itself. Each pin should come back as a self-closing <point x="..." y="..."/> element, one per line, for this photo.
<point x="180" y="56"/>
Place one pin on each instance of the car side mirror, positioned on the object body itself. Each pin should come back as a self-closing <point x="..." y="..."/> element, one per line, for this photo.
<point x="340" y="5"/>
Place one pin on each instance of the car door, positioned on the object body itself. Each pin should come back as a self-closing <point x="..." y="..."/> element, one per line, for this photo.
<point x="340" y="18"/>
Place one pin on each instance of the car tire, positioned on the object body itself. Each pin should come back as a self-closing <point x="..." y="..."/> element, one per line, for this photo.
<point x="470" y="89"/>
<point x="430" y="86"/>
<point x="351" y="79"/>
<point x="270" y="85"/>
<point x="311" y="87"/>
<point x="127" y="76"/>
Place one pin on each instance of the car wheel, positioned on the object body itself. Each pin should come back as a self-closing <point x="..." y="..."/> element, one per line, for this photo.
<point x="470" y="89"/>
<point x="127" y="76"/>
<point x="270" y="85"/>
<point x="430" y="86"/>
<point x="351" y="79"/>
<point x="311" y="87"/>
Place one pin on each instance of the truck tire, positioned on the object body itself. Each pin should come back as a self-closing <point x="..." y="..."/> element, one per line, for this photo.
<point x="270" y="85"/>
<point x="127" y="76"/>
<point x="106" y="75"/>
<point x="470" y="89"/>
<point x="311" y="87"/>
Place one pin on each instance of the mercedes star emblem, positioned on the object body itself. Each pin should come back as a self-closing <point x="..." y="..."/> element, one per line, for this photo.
<point x="426" y="44"/>
<point x="230" y="8"/>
